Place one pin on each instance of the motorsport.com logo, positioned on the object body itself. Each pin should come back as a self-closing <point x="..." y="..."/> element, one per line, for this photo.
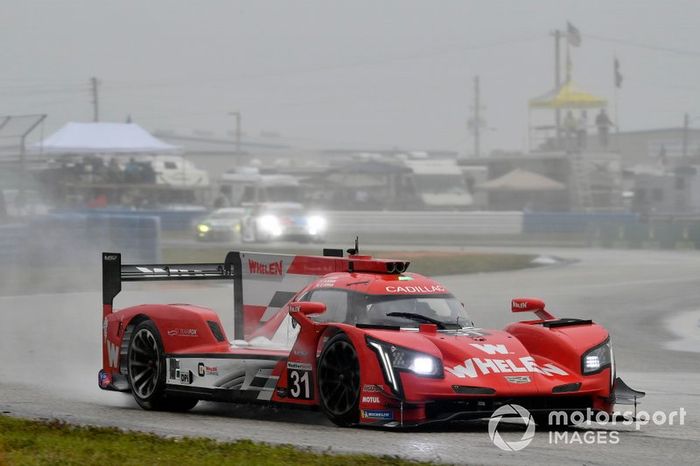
<point x="509" y="435"/>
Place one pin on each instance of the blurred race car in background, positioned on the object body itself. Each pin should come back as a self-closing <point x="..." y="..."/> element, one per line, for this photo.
<point x="283" y="221"/>
<point x="221" y="225"/>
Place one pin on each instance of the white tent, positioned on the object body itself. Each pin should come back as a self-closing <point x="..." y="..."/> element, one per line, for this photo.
<point x="110" y="138"/>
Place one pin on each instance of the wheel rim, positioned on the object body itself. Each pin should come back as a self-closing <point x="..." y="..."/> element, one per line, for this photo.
<point x="144" y="363"/>
<point x="339" y="378"/>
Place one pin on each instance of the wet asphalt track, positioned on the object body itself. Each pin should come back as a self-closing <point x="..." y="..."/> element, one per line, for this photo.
<point x="649" y="300"/>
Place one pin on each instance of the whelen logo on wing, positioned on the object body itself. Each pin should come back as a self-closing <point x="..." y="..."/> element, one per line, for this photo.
<point x="273" y="268"/>
<point x="474" y="367"/>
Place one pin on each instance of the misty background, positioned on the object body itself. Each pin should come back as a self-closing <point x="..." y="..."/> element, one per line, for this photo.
<point x="390" y="73"/>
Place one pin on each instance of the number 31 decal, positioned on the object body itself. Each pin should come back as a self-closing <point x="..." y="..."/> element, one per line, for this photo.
<point x="299" y="384"/>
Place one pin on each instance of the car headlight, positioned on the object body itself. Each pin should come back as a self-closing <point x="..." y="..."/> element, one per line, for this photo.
<point x="203" y="228"/>
<point x="315" y="224"/>
<point x="396" y="358"/>
<point x="597" y="358"/>
<point x="270" y="224"/>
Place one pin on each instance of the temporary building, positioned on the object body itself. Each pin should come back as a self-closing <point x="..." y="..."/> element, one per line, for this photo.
<point x="105" y="138"/>
<point x="567" y="96"/>
<point x="522" y="180"/>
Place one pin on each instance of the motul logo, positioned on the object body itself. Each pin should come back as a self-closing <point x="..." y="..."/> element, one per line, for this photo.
<point x="274" y="268"/>
<point x="474" y="367"/>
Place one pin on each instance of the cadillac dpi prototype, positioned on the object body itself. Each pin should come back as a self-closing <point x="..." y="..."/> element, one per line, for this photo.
<point x="357" y="337"/>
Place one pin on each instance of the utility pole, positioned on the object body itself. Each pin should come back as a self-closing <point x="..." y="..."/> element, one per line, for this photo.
<point x="238" y="131"/>
<point x="557" y="81"/>
<point x="477" y="119"/>
<point x="22" y="155"/>
<point x="94" y="83"/>
<point x="475" y="122"/>
<point x="686" y="126"/>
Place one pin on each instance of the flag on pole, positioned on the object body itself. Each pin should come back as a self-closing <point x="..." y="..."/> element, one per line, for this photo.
<point x="618" y="75"/>
<point x="573" y="35"/>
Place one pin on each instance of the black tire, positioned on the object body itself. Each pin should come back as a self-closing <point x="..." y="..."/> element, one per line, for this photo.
<point x="339" y="381"/>
<point x="146" y="372"/>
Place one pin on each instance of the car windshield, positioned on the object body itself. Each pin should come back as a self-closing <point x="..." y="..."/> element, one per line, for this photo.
<point x="410" y="311"/>
<point x="399" y="311"/>
<point x="284" y="211"/>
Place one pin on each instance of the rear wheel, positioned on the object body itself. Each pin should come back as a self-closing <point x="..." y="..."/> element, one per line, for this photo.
<point x="339" y="381"/>
<point x="146" y="372"/>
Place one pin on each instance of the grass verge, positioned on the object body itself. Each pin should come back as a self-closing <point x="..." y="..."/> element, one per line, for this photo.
<point x="429" y="263"/>
<point x="24" y="442"/>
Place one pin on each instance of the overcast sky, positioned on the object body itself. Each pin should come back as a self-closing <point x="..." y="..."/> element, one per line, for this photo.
<point x="376" y="72"/>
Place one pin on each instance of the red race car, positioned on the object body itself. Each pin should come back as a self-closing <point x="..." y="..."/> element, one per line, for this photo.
<point x="359" y="337"/>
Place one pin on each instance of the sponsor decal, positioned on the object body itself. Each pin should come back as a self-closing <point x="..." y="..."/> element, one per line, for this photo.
<point x="518" y="378"/>
<point x="383" y="414"/>
<point x="203" y="370"/>
<point x="405" y="278"/>
<point x="491" y="349"/>
<point x="519" y="305"/>
<point x="168" y="272"/>
<point x="186" y="377"/>
<point x="415" y="289"/>
<point x="326" y="282"/>
<point x="260" y="268"/>
<point x="372" y="388"/>
<point x="104" y="329"/>
<point x="104" y="379"/>
<point x="474" y="367"/>
<point x="110" y="257"/>
<point x="112" y="354"/>
<point x="300" y="366"/>
<point x="182" y="332"/>
<point x="371" y="399"/>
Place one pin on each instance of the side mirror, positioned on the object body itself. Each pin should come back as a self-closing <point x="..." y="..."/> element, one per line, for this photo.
<point x="307" y="307"/>
<point x="531" y="305"/>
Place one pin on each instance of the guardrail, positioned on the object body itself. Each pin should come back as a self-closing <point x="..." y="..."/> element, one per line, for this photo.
<point x="170" y="219"/>
<point x="425" y="222"/>
<point x="573" y="222"/>
<point x="77" y="239"/>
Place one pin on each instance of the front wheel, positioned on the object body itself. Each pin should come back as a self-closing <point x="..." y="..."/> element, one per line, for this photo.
<point x="146" y="372"/>
<point x="339" y="381"/>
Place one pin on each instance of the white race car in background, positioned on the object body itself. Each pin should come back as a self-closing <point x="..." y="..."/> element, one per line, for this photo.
<point x="283" y="221"/>
<point x="221" y="225"/>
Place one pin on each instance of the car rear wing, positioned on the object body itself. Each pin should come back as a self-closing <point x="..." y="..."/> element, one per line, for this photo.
<point x="262" y="282"/>
<point x="114" y="273"/>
